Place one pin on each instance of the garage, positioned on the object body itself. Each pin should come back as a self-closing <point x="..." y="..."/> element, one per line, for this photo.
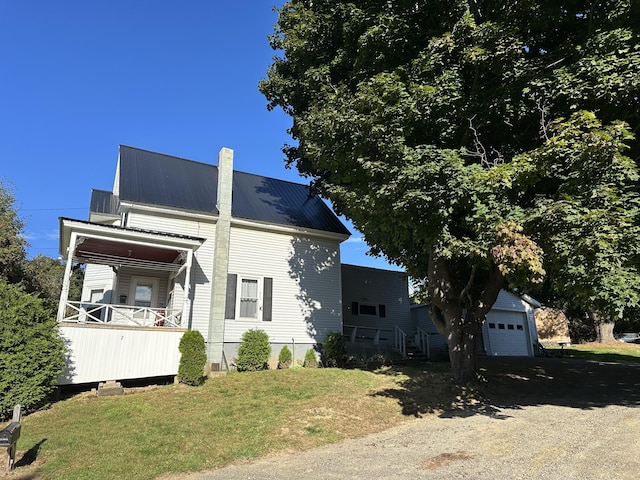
<point x="506" y="334"/>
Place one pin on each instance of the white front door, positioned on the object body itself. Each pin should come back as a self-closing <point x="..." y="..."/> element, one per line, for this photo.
<point x="144" y="292"/>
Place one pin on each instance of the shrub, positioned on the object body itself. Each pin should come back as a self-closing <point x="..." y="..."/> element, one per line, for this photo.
<point x="254" y="351"/>
<point x="334" y="350"/>
<point x="285" y="358"/>
<point x="310" y="360"/>
<point x="192" y="359"/>
<point x="31" y="350"/>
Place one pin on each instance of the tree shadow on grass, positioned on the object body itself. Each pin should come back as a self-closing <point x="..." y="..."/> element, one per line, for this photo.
<point x="516" y="382"/>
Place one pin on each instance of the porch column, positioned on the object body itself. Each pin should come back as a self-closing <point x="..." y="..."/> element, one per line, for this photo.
<point x="186" y="304"/>
<point x="64" y="293"/>
<point x="215" y="333"/>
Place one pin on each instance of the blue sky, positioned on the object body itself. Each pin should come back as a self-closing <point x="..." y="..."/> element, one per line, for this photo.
<point x="79" y="78"/>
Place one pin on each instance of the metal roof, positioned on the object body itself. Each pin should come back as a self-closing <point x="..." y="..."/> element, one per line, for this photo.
<point x="103" y="201"/>
<point x="158" y="179"/>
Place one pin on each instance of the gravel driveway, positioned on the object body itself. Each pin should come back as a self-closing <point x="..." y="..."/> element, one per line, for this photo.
<point x="574" y="420"/>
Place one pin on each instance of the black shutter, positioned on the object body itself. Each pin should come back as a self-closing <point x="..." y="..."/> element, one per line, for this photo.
<point x="354" y="308"/>
<point x="267" y="299"/>
<point x="230" y="303"/>
<point x="382" y="311"/>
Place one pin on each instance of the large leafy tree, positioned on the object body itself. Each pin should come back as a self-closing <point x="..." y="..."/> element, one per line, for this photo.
<point x="473" y="142"/>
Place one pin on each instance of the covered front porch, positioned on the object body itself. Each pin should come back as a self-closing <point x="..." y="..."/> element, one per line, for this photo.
<point x="135" y="302"/>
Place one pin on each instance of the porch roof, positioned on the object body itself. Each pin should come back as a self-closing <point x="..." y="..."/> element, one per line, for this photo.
<point x="118" y="246"/>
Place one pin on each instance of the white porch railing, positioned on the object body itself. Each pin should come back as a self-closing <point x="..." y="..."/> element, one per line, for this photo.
<point x="358" y="333"/>
<point x="423" y="341"/>
<point x="83" y="312"/>
<point x="400" y="341"/>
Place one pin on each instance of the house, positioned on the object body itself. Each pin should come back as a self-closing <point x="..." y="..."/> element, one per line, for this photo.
<point x="177" y="245"/>
<point x="181" y="245"/>
<point x="510" y="328"/>
<point x="375" y="310"/>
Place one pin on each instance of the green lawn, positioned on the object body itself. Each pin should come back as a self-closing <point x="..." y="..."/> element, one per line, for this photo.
<point x="603" y="352"/>
<point x="178" y="428"/>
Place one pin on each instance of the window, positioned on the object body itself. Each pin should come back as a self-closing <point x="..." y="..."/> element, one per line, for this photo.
<point x="520" y="327"/>
<point x="492" y="325"/>
<point x="501" y="326"/>
<point x="510" y="326"/>
<point x="144" y="292"/>
<point x="249" y="298"/>
<point x="368" y="310"/>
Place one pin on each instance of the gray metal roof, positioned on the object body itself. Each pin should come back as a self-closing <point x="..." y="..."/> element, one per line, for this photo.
<point x="158" y="179"/>
<point x="103" y="201"/>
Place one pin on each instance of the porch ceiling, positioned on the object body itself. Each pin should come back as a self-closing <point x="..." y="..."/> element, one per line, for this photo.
<point x="121" y="253"/>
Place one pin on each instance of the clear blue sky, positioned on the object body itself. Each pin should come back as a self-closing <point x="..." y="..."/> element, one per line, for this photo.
<point x="78" y="78"/>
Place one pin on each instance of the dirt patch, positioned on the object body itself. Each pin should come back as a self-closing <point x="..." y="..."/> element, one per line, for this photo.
<point x="445" y="459"/>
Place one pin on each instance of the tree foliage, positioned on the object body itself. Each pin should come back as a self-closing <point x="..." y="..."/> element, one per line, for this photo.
<point x="12" y="243"/>
<point x="480" y="144"/>
<point x="31" y="351"/>
<point x="43" y="275"/>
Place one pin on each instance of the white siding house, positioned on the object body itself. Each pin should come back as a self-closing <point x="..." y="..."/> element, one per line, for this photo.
<point x="375" y="310"/>
<point x="181" y="245"/>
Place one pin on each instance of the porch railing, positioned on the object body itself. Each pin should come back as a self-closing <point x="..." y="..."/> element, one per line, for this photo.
<point x="400" y="341"/>
<point x="424" y="342"/>
<point x="359" y="333"/>
<point x="101" y="313"/>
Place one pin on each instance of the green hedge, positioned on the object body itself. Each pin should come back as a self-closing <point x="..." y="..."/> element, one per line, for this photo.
<point x="32" y="353"/>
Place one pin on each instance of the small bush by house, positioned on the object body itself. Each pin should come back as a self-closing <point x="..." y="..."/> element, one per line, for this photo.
<point x="254" y="351"/>
<point x="285" y="358"/>
<point x="310" y="359"/>
<point x="193" y="358"/>
<point x="334" y="350"/>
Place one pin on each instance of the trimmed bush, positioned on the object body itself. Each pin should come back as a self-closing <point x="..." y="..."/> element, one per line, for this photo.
<point x="254" y="351"/>
<point x="334" y="350"/>
<point x="310" y="359"/>
<point x="285" y="358"/>
<point x="193" y="358"/>
<point x="31" y="350"/>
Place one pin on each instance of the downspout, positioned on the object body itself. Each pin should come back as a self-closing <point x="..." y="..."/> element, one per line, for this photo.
<point x="215" y="333"/>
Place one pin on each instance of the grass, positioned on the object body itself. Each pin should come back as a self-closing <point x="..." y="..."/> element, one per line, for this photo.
<point x="180" y="429"/>
<point x="171" y="429"/>
<point x="618" y="352"/>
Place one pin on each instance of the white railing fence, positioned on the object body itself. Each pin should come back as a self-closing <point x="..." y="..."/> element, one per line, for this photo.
<point x="83" y="312"/>
<point x="424" y="342"/>
<point x="400" y="341"/>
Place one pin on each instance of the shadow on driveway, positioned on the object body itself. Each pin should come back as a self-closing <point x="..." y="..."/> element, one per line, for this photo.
<point x="516" y="382"/>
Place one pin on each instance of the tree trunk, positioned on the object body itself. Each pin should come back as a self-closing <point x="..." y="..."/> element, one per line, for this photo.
<point x="604" y="326"/>
<point x="605" y="332"/>
<point x="463" y="337"/>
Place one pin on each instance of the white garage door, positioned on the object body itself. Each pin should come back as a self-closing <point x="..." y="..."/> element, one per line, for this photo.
<point x="507" y="334"/>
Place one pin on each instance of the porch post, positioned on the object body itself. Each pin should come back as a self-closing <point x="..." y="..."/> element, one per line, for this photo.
<point x="64" y="293"/>
<point x="215" y="333"/>
<point x="186" y="305"/>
